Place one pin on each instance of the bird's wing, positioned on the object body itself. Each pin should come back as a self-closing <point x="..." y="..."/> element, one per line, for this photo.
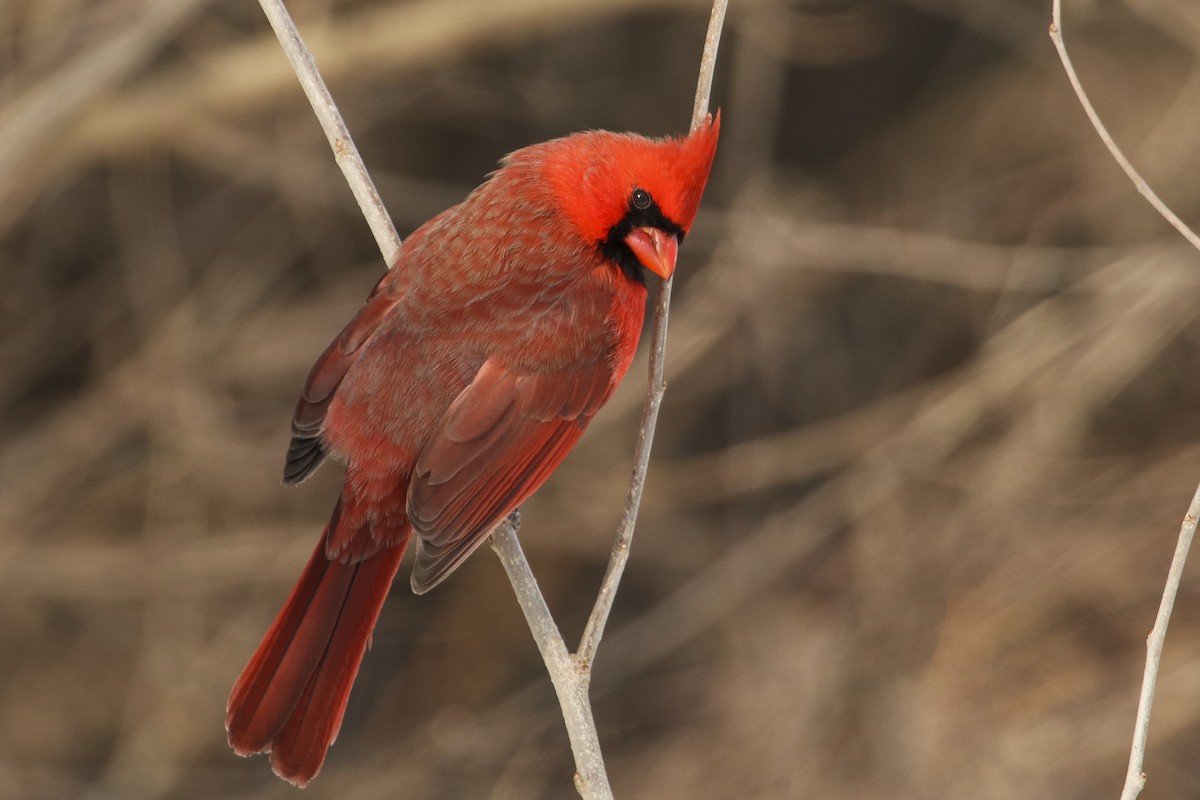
<point x="498" y="442"/>
<point x="307" y="451"/>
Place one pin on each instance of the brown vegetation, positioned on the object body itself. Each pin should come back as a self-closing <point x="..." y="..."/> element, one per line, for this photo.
<point x="930" y="426"/>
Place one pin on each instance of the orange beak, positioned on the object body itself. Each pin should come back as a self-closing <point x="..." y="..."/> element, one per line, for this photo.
<point x="655" y="249"/>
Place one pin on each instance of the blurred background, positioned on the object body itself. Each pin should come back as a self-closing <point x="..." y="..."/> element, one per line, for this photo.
<point x="931" y="426"/>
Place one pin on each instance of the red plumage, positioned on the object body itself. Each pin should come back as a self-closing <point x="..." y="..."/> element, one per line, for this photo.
<point x="473" y="368"/>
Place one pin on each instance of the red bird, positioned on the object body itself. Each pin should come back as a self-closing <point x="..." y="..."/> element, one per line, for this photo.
<point x="473" y="368"/>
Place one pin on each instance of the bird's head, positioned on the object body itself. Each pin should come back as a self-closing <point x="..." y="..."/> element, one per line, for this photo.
<point x="632" y="197"/>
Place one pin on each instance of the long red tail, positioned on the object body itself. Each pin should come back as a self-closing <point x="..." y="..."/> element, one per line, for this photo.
<point x="290" y="697"/>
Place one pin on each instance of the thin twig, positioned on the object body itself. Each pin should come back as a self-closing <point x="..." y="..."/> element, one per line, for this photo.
<point x="344" y="151"/>
<point x="708" y="62"/>
<point x="594" y="630"/>
<point x="1135" y="779"/>
<point x="1138" y="181"/>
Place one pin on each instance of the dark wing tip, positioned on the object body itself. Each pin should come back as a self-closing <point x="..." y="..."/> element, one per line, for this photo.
<point x="304" y="455"/>
<point x="434" y="563"/>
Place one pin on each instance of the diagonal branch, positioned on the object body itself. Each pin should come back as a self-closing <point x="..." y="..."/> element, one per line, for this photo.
<point x="657" y="385"/>
<point x="1134" y="175"/>
<point x="1135" y="779"/>
<point x="344" y="151"/>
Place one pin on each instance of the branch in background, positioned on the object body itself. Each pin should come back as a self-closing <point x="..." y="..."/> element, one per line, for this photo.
<point x="1138" y="180"/>
<point x="32" y="117"/>
<point x="1135" y="778"/>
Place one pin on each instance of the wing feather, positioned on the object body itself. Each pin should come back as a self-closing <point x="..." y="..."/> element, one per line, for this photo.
<point x="307" y="451"/>
<point x="499" y="441"/>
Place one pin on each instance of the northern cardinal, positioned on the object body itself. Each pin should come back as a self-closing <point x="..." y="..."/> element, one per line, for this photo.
<point x="474" y="366"/>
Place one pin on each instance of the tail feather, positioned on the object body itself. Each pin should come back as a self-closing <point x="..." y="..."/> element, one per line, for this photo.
<point x="290" y="698"/>
<point x="301" y="745"/>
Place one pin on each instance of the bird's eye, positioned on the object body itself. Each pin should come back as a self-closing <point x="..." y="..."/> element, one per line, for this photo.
<point x="641" y="199"/>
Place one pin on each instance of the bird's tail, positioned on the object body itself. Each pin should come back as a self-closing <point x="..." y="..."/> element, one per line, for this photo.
<point x="290" y="697"/>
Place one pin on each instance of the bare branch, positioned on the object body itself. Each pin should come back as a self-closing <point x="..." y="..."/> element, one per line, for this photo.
<point x="1135" y="779"/>
<point x="657" y="385"/>
<point x="1138" y="181"/>
<point x="708" y="62"/>
<point x="344" y="151"/>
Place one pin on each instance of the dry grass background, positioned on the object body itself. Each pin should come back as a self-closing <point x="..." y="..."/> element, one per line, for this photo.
<point x="930" y="428"/>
